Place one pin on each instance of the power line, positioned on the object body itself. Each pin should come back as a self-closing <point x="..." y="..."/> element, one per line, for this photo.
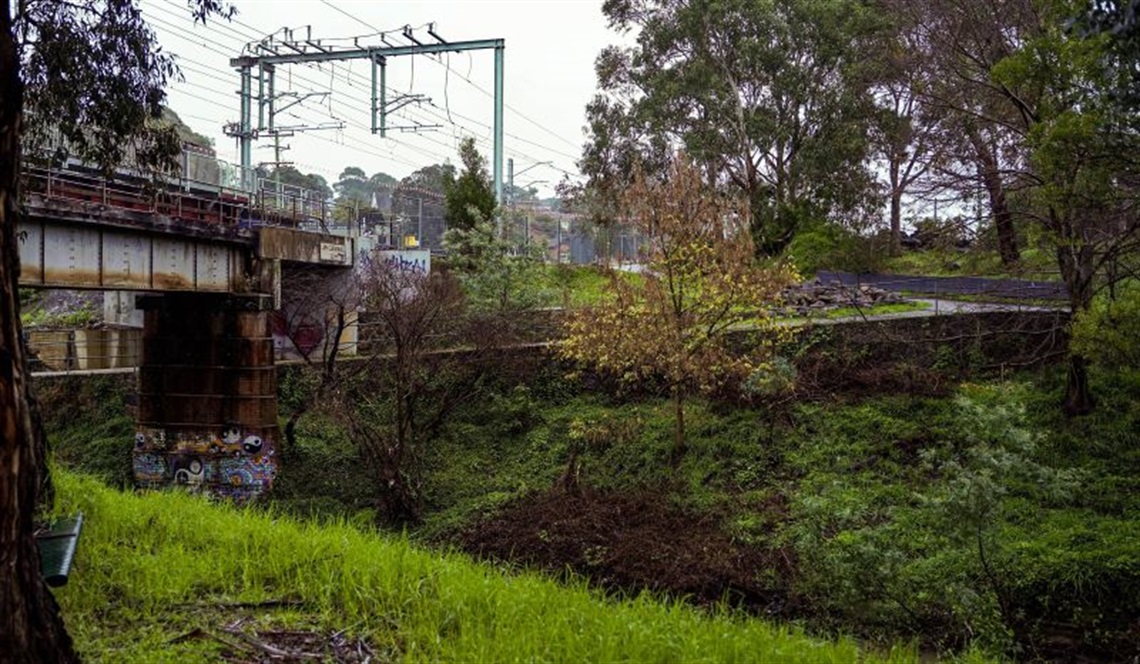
<point x="350" y="76"/>
<point x="457" y="114"/>
<point x="468" y="80"/>
<point x="393" y="157"/>
<point x="179" y="32"/>
<point x="309" y="81"/>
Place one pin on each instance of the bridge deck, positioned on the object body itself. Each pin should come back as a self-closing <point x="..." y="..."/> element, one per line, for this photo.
<point x="83" y="230"/>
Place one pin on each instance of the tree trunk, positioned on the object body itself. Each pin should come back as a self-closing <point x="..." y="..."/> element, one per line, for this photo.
<point x="1003" y="222"/>
<point x="1078" y="396"/>
<point x="285" y="452"/>
<point x="990" y="175"/>
<point x="1075" y="260"/>
<point x="396" y="502"/>
<point x="896" y="206"/>
<point x="896" y="223"/>
<point x="31" y="629"/>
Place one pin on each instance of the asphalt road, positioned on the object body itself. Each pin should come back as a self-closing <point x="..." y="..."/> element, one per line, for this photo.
<point x="1018" y="289"/>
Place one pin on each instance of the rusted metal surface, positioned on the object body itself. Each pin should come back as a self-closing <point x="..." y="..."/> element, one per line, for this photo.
<point x="82" y="230"/>
<point x="207" y="411"/>
<point x="64" y="255"/>
<point x="205" y="193"/>
<point x="98" y="254"/>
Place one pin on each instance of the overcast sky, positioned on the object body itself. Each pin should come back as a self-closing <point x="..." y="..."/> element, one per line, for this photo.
<point x="549" y="78"/>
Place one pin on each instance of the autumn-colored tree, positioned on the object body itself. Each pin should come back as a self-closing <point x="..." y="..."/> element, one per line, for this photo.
<point x="700" y="282"/>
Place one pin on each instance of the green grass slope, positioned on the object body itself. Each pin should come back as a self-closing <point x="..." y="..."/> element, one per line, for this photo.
<point x="168" y="577"/>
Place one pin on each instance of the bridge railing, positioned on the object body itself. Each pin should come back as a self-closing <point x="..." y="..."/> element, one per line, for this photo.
<point x="185" y="199"/>
<point x="206" y="190"/>
<point x="290" y="205"/>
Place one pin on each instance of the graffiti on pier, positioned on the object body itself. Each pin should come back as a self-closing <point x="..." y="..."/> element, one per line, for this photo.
<point x="232" y="463"/>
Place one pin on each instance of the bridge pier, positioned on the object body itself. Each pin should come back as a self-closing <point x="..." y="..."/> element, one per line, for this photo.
<point x="119" y="309"/>
<point x="207" y="411"/>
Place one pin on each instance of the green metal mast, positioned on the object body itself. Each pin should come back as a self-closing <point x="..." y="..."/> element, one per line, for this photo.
<point x="498" y="156"/>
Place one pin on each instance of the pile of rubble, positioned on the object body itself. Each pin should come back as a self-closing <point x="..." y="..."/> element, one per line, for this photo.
<point x="814" y="297"/>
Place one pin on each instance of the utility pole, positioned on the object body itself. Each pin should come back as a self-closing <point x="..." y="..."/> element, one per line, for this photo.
<point x="510" y="193"/>
<point x="511" y="180"/>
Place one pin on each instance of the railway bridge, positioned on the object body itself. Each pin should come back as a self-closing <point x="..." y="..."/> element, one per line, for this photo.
<point x="205" y="263"/>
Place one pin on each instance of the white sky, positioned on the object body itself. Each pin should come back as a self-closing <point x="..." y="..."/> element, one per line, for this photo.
<point x="548" y="79"/>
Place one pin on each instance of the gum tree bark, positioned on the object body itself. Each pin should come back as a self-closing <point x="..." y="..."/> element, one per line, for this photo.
<point x="31" y="629"/>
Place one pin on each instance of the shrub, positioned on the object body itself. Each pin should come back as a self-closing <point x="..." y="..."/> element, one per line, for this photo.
<point x="1109" y="332"/>
<point x="828" y="246"/>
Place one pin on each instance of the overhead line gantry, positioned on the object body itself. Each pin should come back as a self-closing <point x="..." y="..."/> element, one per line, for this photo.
<point x="271" y="52"/>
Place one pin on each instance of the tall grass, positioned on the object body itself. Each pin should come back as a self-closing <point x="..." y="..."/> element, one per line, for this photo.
<point x="156" y="572"/>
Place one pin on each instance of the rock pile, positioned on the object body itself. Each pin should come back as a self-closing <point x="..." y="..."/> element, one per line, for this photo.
<point x="813" y="297"/>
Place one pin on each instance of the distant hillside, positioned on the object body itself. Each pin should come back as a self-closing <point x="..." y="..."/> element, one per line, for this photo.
<point x="187" y="134"/>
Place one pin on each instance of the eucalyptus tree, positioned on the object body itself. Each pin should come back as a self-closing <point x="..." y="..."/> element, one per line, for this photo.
<point x="92" y="74"/>
<point x="420" y="194"/>
<point x="290" y="175"/>
<point x="1083" y="162"/>
<point x="981" y="123"/>
<point x="906" y="145"/>
<point x="429" y="180"/>
<point x="1037" y="109"/>
<point x="1119" y="22"/>
<point x="769" y="97"/>
<point x="352" y="188"/>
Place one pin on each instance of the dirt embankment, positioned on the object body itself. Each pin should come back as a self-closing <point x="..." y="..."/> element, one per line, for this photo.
<point x="634" y="542"/>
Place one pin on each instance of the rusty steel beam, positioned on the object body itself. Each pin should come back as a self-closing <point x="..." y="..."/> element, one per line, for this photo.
<point x="91" y="256"/>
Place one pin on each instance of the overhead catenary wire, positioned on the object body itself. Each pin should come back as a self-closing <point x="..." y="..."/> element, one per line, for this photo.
<point x="214" y="76"/>
<point x="204" y="70"/>
<point x="357" y="148"/>
<point x="483" y="90"/>
<point x="465" y="78"/>
<point x="431" y="113"/>
<point x="436" y="116"/>
<point x="486" y="93"/>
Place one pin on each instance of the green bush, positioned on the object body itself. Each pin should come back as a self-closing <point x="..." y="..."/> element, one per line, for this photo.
<point x="1109" y="332"/>
<point x="1081" y="570"/>
<point x="89" y="426"/>
<point x="831" y="247"/>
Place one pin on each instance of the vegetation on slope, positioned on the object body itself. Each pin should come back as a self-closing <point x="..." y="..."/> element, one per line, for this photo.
<point x="973" y="514"/>
<point x="863" y="517"/>
<point x="172" y="577"/>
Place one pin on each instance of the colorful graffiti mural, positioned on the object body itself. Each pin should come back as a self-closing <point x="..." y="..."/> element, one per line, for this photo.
<point x="232" y="463"/>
